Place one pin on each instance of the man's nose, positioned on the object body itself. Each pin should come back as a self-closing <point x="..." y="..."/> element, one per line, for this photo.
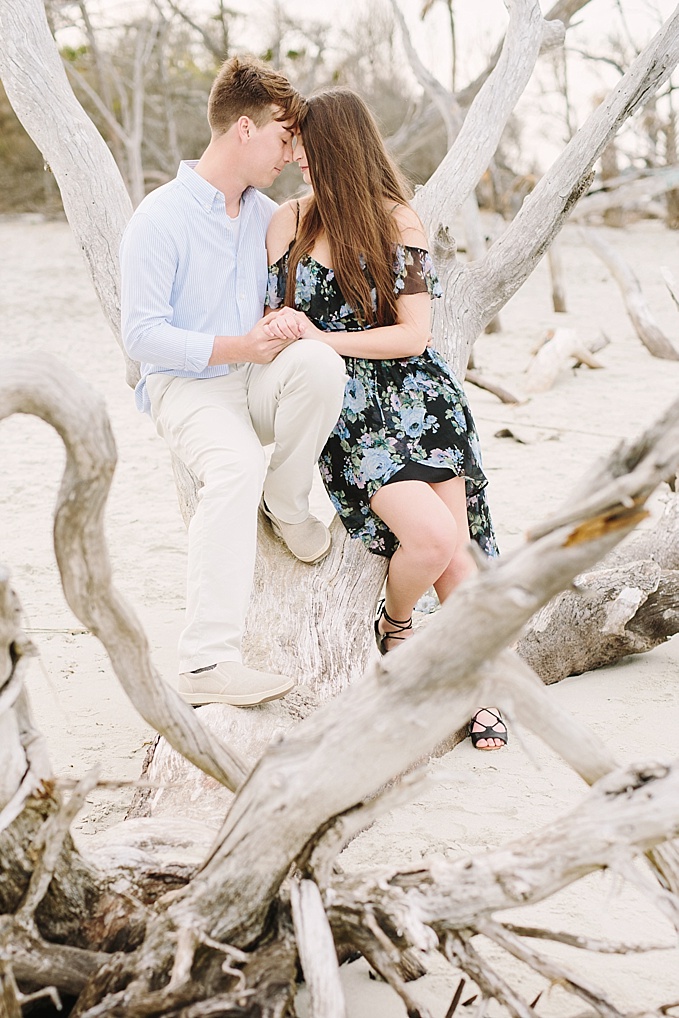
<point x="288" y="154"/>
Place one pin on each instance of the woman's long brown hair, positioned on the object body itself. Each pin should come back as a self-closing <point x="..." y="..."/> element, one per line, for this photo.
<point x="354" y="180"/>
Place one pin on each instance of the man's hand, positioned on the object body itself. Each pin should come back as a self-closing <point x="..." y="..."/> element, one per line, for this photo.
<point x="262" y="343"/>
<point x="307" y="329"/>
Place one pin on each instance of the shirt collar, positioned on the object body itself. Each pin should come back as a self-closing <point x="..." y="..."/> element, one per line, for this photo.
<point x="202" y="190"/>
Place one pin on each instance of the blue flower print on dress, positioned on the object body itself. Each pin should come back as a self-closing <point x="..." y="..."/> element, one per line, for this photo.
<point x="354" y="397"/>
<point x="412" y="420"/>
<point x="376" y="463"/>
<point x="395" y="412"/>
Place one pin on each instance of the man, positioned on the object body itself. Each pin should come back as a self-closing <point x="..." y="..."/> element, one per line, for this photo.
<point x="216" y="382"/>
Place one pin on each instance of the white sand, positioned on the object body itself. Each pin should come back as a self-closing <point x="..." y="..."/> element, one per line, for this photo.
<point x="479" y="800"/>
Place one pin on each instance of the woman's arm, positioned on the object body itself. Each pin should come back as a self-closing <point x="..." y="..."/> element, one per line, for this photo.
<point x="411" y="332"/>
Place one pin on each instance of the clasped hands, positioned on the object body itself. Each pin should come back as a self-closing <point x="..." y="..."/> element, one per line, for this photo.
<point x="274" y="332"/>
<point x="288" y="324"/>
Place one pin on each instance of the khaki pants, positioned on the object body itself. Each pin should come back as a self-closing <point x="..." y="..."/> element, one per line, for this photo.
<point x="218" y="427"/>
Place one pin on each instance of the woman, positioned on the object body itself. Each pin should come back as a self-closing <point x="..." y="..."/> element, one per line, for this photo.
<point x="402" y="466"/>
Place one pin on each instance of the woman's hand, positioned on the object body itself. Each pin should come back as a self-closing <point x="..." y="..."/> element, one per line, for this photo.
<point x="281" y="323"/>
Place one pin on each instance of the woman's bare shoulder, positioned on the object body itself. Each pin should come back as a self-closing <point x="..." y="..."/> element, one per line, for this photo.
<point x="410" y="227"/>
<point x="281" y="231"/>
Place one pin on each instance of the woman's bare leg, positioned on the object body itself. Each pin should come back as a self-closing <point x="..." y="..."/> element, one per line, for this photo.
<point x="430" y="522"/>
<point x="427" y="535"/>
<point x="452" y="493"/>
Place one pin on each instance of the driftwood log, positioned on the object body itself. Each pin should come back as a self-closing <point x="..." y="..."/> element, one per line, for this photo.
<point x="339" y="643"/>
<point x="628" y="605"/>
<point x="129" y="930"/>
<point x="561" y="349"/>
<point x="193" y="920"/>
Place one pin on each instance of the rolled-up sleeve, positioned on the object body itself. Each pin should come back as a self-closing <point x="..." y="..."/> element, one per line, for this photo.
<point x="148" y="266"/>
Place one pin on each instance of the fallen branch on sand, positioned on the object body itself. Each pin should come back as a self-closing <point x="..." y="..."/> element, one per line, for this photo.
<point x="226" y="938"/>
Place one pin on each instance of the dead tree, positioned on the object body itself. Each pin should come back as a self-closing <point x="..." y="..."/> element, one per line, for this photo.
<point x="120" y="97"/>
<point x="128" y="932"/>
<point x="140" y="936"/>
<point x="330" y="653"/>
<point x="627" y="193"/>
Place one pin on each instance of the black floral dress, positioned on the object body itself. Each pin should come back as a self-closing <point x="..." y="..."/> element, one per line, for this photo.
<point x="401" y="419"/>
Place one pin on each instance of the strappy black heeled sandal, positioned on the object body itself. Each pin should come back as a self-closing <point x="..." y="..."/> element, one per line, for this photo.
<point x="401" y="627"/>
<point x="490" y="732"/>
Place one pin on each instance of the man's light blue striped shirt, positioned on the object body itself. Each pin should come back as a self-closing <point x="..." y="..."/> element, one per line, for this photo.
<point x="186" y="276"/>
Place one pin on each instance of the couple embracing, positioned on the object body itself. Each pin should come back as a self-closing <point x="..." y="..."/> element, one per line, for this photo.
<point x="305" y="327"/>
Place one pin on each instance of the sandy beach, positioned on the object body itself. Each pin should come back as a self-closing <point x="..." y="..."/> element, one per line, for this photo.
<point x="475" y="801"/>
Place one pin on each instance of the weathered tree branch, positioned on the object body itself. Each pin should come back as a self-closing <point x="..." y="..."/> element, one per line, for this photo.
<point x="514" y="255"/>
<point x="95" y="199"/>
<point x="414" y="702"/>
<point x="52" y="392"/>
<point x="623" y="194"/>
<point x="645" y="325"/>
<point x="637" y="806"/>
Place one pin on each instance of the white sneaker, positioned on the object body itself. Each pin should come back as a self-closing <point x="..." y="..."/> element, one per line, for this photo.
<point x="309" y="541"/>
<point x="234" y="683"/>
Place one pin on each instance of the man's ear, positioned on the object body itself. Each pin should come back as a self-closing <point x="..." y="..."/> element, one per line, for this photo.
<point x="243" y="124"/>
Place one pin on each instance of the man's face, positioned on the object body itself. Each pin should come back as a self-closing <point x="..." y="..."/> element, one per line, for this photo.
<point x="269" y="149"/>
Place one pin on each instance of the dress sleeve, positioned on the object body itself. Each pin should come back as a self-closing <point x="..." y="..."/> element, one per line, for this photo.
<point x="414" y="272"/>
<point x="275" y="290"/>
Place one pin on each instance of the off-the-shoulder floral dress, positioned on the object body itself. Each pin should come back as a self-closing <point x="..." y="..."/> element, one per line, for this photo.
<point x="404" y="419"/>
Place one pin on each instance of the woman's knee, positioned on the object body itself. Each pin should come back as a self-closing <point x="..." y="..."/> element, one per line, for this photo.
<point x="433" y="543"/>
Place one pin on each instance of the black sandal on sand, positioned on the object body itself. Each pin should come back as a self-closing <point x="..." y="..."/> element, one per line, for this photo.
<point x="401" y="627"/>
<point x="489" y="732"/>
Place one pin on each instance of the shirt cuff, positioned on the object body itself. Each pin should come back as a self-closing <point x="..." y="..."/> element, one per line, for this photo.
<point x="199" y="347"/>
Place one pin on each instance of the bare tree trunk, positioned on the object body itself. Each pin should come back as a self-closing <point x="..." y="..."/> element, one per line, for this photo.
<point x="672" y="158"/>
<point x="318" y="786"/>
<point x="95" y="199"/>
<point x="474" y="293"/>
<point x="613" y="216"/>
<point x="557" y="276"/>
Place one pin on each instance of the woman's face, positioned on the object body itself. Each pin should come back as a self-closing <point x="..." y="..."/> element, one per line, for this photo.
<point x="299" y="155"/>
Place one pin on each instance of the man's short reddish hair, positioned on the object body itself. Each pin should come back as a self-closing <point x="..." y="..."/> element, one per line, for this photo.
<point x="247" y="87"/>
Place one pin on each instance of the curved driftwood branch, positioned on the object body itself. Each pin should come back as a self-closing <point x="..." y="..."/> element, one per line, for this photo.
<point x="412" y="694"/>
<point x="637" y="805"/>
<point x="47" y="389"/>
<point x="561" y="349"/>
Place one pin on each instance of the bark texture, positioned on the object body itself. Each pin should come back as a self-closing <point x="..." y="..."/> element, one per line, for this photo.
<point x="148" y="926"/>
<point x="224" y="935"/>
